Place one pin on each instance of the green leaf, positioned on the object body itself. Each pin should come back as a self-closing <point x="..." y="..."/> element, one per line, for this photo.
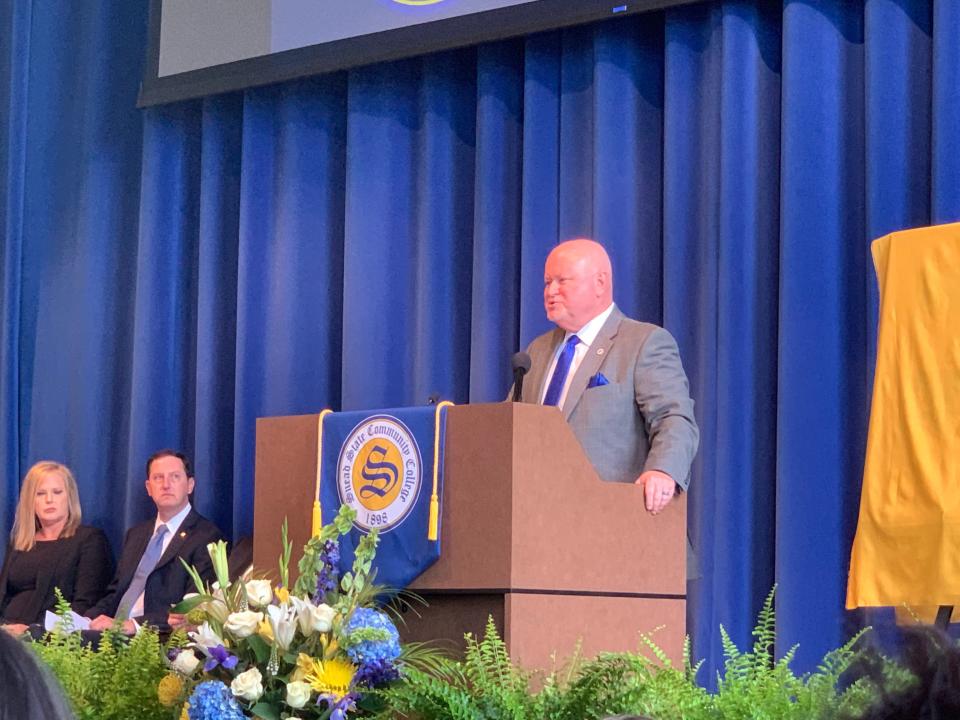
<point x="260" y="648"/>
<point x="285" y="555"/>
<point x="188" y="604"/>
<point x="267" y="711"/>
<point x="343" y="522"/>
<point x="195" y="576"/>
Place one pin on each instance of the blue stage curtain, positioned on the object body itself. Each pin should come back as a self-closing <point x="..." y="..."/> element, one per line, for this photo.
<point x="376" y="236"/>
<point x="71" y="144"/>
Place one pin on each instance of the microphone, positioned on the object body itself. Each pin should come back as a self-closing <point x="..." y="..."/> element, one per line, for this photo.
<point x="521" y="364"/>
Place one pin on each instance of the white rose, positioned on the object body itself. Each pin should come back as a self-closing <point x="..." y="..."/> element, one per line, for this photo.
<point x="186" y="662"/>
<point x="322" y="617"/>
<point x="243" y="624"/>
<point x="298" y="693"/>
<point x="248" y="685"/>
<point x="259" y="592"/>
<point x="205" y="638"/>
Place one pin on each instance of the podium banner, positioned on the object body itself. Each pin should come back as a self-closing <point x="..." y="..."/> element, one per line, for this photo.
<point x="386" y="465"/>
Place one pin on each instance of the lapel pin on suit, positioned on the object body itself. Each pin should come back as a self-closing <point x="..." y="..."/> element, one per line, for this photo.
<point x="183" y="533"/>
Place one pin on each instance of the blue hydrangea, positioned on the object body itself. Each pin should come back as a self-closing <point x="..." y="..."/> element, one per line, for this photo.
<point x="212" y="700"/>
<point x="370" y="636"/>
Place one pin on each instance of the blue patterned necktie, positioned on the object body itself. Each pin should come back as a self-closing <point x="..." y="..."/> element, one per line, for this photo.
<point x="151" y="556"/>
<point x="559" y="379"/>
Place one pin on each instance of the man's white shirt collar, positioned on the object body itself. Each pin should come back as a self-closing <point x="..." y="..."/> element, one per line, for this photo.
<point x="588" y="333"/>
<point x="173" y="524"/>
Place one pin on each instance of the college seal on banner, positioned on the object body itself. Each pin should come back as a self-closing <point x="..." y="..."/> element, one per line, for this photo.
<point x="380" y="472"/>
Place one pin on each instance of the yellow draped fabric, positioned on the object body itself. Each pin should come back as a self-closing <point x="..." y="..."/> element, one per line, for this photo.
<point x="907" y="547"/>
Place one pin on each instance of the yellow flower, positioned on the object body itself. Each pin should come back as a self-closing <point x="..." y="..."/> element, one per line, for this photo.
<point x="283" y="595"/>
<point x="169" y="690"/>
<point x="304" y="667"/>
<point x="265" y="630"/>
<point x="330" y="646"/>
<point x="185" y="712"/>
<point x="331" y="677"/>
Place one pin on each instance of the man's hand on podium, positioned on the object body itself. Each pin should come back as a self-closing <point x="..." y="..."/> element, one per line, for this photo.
<point x="658" y="490"/>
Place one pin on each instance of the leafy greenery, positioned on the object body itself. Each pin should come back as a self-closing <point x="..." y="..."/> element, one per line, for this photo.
<point x="486" y="685"/>
<point x="757" y="685"/>
<point x="312" y="559"/>
<point x="117" y="680"/>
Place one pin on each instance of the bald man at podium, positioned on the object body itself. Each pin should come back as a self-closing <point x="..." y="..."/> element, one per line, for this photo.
<point x="618" y="382"/>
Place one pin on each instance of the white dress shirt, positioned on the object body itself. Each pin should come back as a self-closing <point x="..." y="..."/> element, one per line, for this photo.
<point x="587" y="334"/>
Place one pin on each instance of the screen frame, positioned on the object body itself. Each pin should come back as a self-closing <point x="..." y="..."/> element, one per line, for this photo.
<point x="419" y="39"/>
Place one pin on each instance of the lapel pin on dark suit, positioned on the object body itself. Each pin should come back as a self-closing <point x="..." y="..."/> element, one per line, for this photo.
<point x="183" y="533"/>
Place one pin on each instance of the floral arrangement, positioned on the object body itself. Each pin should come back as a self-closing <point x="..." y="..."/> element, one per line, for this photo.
<point x="317" y="650"/>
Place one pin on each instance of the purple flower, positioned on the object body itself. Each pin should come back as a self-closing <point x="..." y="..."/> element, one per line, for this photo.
<point x="329" y="572"/>
<point x="375" y="673"/>
<point x="219" y="655"/>
<point x="338" y="708"/>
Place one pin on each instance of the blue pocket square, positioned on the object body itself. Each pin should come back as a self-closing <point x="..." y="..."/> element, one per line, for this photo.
<point x="597" y="380"/>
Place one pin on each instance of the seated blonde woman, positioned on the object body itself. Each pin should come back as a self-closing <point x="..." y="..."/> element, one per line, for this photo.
<point x="49" y="549"/>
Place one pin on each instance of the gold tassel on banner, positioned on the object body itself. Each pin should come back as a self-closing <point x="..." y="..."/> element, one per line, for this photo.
<point x="432" y="531"/>
<point x="317" y="523"/>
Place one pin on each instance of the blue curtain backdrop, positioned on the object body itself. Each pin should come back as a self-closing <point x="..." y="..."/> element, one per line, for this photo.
<point x="371" y="237"/>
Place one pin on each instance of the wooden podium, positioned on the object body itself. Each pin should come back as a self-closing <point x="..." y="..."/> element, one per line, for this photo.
<point x="529" y="535"/>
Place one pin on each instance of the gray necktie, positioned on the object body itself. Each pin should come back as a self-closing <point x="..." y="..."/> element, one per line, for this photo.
<point x="151" y="556"/>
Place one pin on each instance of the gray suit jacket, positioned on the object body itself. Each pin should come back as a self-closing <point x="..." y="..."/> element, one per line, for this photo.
<point x="643" y="419"/>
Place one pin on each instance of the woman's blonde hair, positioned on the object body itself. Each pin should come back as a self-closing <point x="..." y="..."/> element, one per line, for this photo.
<point x="26" y="524"/>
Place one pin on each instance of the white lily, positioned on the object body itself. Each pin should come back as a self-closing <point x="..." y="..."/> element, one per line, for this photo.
<point x="205" y="638"/>
<point x="283" y="621"/>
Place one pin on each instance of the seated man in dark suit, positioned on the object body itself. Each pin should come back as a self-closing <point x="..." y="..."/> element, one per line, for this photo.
<point x="150" y="577"/>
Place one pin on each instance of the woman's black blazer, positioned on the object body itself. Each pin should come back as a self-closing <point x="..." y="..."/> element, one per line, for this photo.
<point x="82" y="570"/>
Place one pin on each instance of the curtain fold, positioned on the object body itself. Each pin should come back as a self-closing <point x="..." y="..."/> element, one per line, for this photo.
<point x="627" y="172"/>
<point x="70" y="247"/>
<point x="373" y="237"/>
<point x="162" y="388"/>
<point x="217" y="260"/>
<point x="822" y="338"/>
<point x="290" y="267"/>
<point x="498" y="199"/>
<point x="720" y="211"/>
<point x="14" y="66"/>
<point x="945" y="140"/>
